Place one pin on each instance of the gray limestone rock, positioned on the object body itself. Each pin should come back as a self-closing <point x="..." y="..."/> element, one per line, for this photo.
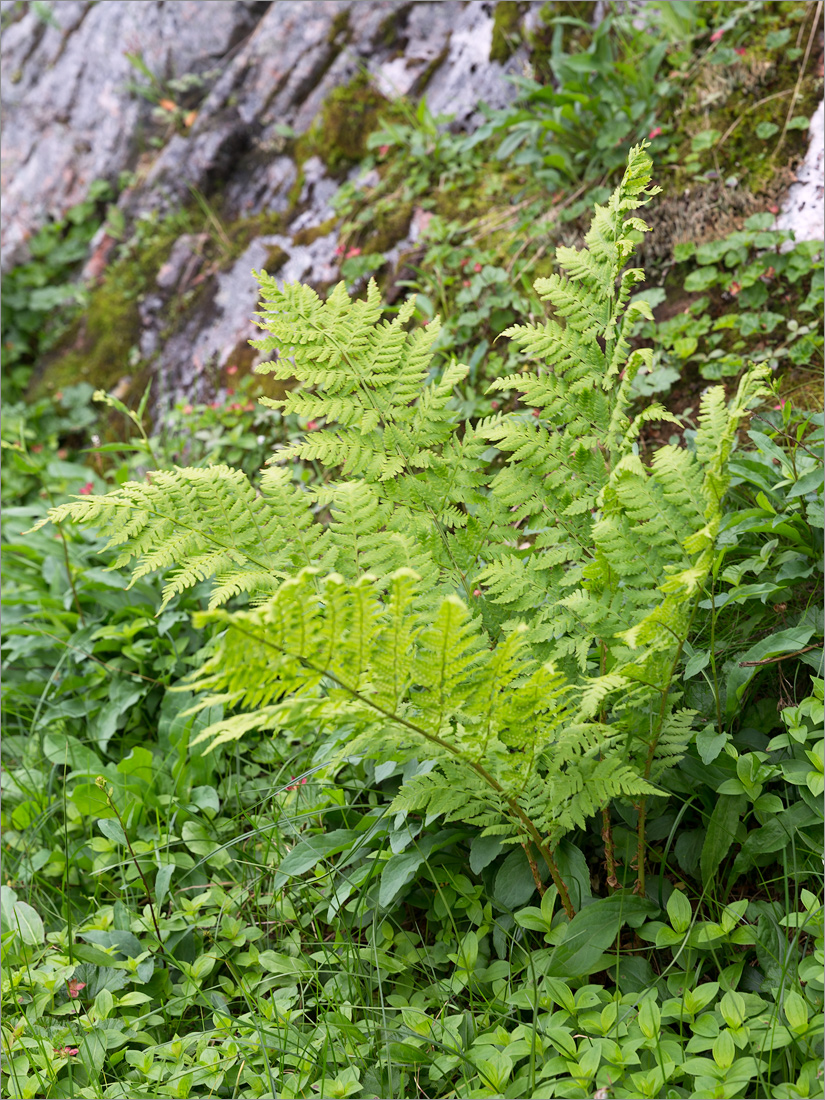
<point x="73" y="112"/>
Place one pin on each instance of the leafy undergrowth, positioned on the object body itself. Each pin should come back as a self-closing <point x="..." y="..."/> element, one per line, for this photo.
<point x="254" y="921"/>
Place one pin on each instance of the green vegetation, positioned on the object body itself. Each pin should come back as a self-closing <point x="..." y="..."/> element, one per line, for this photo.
<point x="473" y="747"/>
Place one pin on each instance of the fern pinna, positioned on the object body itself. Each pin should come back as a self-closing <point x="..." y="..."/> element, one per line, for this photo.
<point x="523" y="619"/>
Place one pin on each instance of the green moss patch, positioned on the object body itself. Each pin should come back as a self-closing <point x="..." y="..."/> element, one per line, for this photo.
<point x="506" y="30"/>
<point x="349" y="114"/>
<point x="313" y="232"/>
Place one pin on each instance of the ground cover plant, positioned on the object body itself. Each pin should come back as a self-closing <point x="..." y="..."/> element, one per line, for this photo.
<point x="445" y="789"/>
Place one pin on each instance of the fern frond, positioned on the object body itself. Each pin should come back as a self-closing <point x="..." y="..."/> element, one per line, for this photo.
<point x="207" y="523"/>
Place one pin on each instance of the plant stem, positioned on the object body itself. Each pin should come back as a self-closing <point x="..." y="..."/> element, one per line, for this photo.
<point x="609" y="848"/>
<point x="68" y="566"/>
<point x="108" y="792"/>
<point x="534" y="867"/>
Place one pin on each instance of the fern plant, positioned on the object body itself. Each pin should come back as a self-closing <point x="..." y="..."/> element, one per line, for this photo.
<point x="522" y="615"/>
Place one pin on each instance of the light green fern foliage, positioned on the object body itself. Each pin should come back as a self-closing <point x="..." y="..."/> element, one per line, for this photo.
<point x="524" y="617"/>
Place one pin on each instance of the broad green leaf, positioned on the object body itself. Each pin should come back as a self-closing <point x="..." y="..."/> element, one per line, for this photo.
<point x="724" y="1049"/>
<point x="139" y="764"/>
<point x="91" y="801"/>
<point x="68" y="751"/>
<point x="311" y="850"/>
<point x="275" y="962"/>
<point x="26" y="920"/>
<point x="162" y="880"/>
<point x="514" y="883"/>
<point x="721" y="832"/>
<point x="679" y="911"/>
<point x="796" y="1011"/>
<point x="483" y="850"/>
<point x="591" y="932"/>
<point x="650" y="1018"/>
<point x="783" y="641"/>
<point x="112" y="829"/>
<point x="91" y="1052"/>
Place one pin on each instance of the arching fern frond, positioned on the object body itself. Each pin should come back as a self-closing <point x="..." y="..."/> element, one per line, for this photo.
<point x="208" y="523"/>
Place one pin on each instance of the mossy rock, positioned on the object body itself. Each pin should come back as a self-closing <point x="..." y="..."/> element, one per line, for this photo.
<point x="507" y="35"/>
<point x="390" y="226"/>
<point x="99" y="348"/>
<point x="747" y="104"/>
<point x="349" y="114"/>
<point x="313" y="232"/>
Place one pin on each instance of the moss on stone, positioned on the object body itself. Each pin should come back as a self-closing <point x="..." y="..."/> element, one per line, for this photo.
<point x="389" y="227"/>
<point x="340" y="31"/>
<point x="275" y="259"/>
<point x="506" y="30"/>
<point x="426" y="75"/>
<point x="243" y="231"/>
<point x="734" y="100"/>
<point x="349" y="114"/>
<point x="99" y="346"/>
<point x="391" y="30"/>
<point x="313" y="232"/>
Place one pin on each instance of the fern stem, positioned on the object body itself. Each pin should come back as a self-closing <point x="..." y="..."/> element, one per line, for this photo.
<point x="534" y="867"/>
<point x="609" y="848"/>
<point x="434" y="739"/>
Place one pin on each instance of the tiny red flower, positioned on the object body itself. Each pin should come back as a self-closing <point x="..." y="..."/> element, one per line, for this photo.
<point x="312" y="425"/>
<point x="187" y="409"/>
<point x="236" y="406"/>
<point x="716" y="36"/>
<point x="62" y="454"/>
<point x="383" y="150"/>
<point x="655" y="132"/>
<point x="86" y="491"/>
<point x="536" y="412"/>
<point x="230" y="391"/>
<point x="339" y="250"/>
<point x="37" y="448"/>
<point x="734" y="289"/>
<point x="464" y="262"/>
<point x="774" y="209"/>
<point x="232" y="369"/>
<point x="740" y="50"/>
<point x="494" y="404"/>
<point x="352" y="252"/>
<point x="75" y="986"/>
<point x="66" y="1052"/>
<point x="59" y="395"/>
<point x="476" y="591"/>
<point x="294" y="786"/>
<point x="466" y="282"/>
<point x="476" y="268"/>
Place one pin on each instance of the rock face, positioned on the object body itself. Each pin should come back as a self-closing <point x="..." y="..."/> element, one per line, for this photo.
<point x="81" y="84"/>
<point x="72" y="113"/>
